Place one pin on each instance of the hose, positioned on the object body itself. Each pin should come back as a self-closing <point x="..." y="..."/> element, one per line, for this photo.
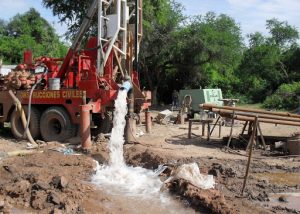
<point x="23" y="118"/>
<point x="30" y="99"/>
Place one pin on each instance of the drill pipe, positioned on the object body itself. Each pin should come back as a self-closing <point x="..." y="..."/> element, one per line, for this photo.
<point x="282" y="114"/>
<point x="263" y="120"/>
<point x="249" y="114"/>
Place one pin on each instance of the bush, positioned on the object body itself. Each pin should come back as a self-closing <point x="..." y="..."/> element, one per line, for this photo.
<point x="286" y="97"/>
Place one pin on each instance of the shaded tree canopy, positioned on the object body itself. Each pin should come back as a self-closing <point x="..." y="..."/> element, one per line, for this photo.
<point x="210" y="46"/>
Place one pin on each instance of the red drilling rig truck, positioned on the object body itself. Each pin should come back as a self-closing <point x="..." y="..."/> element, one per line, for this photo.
<point x="65" y="95"/>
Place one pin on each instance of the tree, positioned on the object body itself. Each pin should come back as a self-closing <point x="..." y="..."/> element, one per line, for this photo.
<point x="267" y="62"/>
<point x="161" y="20"/>
<point x="259" y="73"/>
<point x="72" y="13"/>
<point x="283" y="34"/>
<point x="29" y="30"/>
<point x="2" y="27"/>
<point x="209" y="50"/>
<point x="256" y="39"/>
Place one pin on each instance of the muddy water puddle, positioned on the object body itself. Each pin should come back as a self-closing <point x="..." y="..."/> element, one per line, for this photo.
<point x="291" y="200"/>
<point x="135" y="190"/>
<point x="143" y="205"/>
<point x="280" y="178"/>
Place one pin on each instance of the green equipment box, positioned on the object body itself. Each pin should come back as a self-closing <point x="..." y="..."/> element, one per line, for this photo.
<point x="200" y="96"/>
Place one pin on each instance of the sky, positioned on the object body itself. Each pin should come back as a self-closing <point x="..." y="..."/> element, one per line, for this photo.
<point x="250" y="14"/>
<point x="10" y="8"/>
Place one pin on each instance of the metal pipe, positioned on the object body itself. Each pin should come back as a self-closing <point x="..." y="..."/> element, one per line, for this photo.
<point x="263" y="120"/>
<point x="112" y="42"/>
<point x="124" y="25"/>
<point x="283" y="114"/>
<point x="148" y="121"/>
<point x="85" y="127"/>
<point x="99" y="51"/>
<point x="85" y="25"/>
<point x="131" y="122"/>
<point x="82" y="30"/>
<point x="136" y="44"/>
<point x="141" y="19"/>
<point x="248" y="114"/>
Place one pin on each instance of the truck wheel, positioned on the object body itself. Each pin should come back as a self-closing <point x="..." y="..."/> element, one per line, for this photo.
<point x="56" y="125"/>
<point x="17" y="128"/>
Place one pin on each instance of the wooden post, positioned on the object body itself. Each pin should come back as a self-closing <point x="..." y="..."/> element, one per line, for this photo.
<point x="244" y="128"/>
<point x="190" y="129"/>
<point x="250" y="126"/>
<point x="208" y="131"/>
<point x="251" y="142"/>
<point x="215" y="125"/>
<point x="261" y="136"/>
<point x="231" y="129"/>
<point x="203" y="128"/>
<point x="220" y="129"/>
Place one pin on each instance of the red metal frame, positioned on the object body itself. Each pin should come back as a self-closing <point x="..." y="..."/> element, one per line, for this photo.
<point x="78" y="74"/>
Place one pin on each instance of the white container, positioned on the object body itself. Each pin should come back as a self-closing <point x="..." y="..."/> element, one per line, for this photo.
<point x="54" y="84"/>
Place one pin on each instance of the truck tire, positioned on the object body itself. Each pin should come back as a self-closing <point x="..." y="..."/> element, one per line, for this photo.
<point x="56" y="125"/>
<point x="17" y="128"/>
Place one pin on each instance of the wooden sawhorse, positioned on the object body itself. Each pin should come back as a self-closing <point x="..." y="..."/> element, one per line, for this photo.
<point x="203" y="123"/>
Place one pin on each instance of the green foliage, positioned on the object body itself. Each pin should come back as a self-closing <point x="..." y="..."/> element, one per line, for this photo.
<point x="286" y="97"/>
<point x="210" y="48"/>
<point x="31" y="31"/>
<point x="283" y="34"/>
<point x="267" y="62"/>
<point x="188" y="52"/>
<point x="161" y="20"/>
<point x="258" y="72"/>
<point x="71" y="12"/>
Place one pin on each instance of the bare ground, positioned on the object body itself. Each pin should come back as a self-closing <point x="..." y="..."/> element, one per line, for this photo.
<point x="51" y="182"/>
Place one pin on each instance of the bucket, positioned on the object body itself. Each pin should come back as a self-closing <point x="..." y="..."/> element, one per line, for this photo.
<point x="54" y="83"/>
<point x="293" y="145"/>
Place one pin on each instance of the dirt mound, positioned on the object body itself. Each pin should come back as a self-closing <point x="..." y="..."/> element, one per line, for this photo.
<point x="212" y="200"/>
<point x="50" y="182"/>
<point x="145" y="159"/>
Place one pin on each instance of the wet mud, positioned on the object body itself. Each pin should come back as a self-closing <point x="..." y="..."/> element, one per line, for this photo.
<point x="52" y="182"/>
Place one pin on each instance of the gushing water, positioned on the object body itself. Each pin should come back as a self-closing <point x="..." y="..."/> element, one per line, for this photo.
<point x="137" y="188"/>
<point x="117" y="139"/>
<point x="128" y="180"/>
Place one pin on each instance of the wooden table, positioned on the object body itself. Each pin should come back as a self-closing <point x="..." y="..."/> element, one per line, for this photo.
<point x="203" y="123"/>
